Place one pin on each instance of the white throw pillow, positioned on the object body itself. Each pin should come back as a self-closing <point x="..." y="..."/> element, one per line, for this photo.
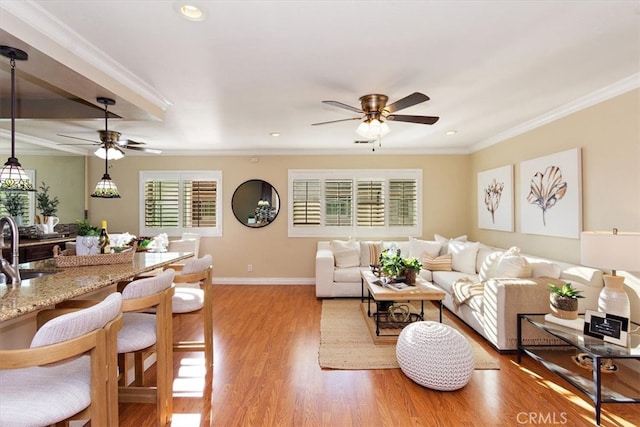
<point x="444" y="242"/>
<point x="463" y="256"/>
<point x="418" y="248"/>
<point x="346" y="253"/>
<point x="488" y="268"/>
<point x="512" y="264"/>
<point x="545" y="269"/>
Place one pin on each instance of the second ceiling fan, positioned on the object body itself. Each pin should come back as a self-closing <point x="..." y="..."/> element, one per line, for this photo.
<point x="110" y="143"/>
<point x="374" y="111"/>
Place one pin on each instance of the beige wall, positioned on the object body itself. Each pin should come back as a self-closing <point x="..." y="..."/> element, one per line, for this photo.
<point x="271" y="253"/>
<point x="609" y="137"/>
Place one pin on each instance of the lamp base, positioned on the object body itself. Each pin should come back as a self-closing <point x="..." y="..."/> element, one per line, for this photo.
<point x="613" y="299"/>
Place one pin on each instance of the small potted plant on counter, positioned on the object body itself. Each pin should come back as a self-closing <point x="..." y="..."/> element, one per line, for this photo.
<point x="564" y="301"/>
<point x="15" y="205"/>
<point x="48" y="206"/>
<point x="87" y="240"/>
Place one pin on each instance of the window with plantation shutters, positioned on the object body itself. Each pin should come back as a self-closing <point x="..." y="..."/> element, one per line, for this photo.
<point x="337" y="201"/>
<point x="355" y="202"/>
<point x="174" y="202"/>
<point x="306" y="202"/>
<point x="403" y="196"/>
<point x="371" y="206"/>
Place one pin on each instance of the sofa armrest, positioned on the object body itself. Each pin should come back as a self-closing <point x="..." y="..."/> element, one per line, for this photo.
<point x="505" y="298"/>
<point x="324" y="272"/>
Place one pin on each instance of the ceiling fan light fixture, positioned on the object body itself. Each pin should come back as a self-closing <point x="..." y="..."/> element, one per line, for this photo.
<point x="111" y="153"/>
<point x="372" y="129"/>
<point x="106" y="189"/>
<point x="13" y="177"/>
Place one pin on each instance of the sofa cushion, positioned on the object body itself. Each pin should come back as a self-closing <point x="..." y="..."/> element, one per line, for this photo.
<point x="426" y="275"/>
<point x="512" y="264"/>
<point x="350" y="274"/>
<point x="370" y="253"/>
<point x="545" y="269"/>
<point x="418" y="248"/>
<point x="440" y="263"/>
<point x="463" y="255"/>
<point x="346" y="253"/>
<point x="445" y="279"/>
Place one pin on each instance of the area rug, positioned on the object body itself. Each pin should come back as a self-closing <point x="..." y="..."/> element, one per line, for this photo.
<point x="346" y="343"/>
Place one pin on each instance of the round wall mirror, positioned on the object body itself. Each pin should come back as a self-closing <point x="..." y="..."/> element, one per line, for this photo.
<point x="255" y="203"/>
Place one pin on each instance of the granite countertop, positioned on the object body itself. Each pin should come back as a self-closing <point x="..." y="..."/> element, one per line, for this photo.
<point x="72" y="282"/>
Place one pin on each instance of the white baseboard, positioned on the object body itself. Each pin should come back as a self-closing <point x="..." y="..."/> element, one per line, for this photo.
<point x="264" y="281"/>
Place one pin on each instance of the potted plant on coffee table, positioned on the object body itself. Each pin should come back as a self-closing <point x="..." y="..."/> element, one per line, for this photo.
<point x="412" y="267"/>
<point x="563" y="301"/>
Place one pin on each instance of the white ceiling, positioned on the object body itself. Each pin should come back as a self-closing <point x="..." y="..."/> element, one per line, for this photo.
<point x="491" y="68"/>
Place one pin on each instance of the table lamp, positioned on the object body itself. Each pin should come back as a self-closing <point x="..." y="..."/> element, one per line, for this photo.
<point x="615" y="251"/>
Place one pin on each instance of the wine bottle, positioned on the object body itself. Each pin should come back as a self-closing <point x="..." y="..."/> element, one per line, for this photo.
<point x="103" y="241"/>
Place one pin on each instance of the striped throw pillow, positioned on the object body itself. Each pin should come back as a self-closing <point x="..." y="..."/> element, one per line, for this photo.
<point x="440" y="263"/>
<point x="370" y="253"/>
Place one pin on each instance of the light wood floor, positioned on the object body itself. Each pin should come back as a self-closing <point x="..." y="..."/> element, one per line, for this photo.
<point x="266" y="374"/>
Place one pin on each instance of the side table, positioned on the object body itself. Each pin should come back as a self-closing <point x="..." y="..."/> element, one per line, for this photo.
<point x="622" y="386"/>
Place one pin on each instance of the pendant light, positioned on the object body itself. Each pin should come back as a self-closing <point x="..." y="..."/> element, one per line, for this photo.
<point x="12" y="176"/>
<point x="106" y="189"/>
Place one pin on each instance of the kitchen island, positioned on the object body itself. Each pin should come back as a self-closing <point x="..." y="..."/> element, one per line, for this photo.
<point x="73" y="282"/>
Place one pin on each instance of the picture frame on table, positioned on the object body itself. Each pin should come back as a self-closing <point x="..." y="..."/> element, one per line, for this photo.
<point x="607" y="327"/>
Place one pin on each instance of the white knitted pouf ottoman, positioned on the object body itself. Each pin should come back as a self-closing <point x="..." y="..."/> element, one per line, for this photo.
<point x="435" y="356"/>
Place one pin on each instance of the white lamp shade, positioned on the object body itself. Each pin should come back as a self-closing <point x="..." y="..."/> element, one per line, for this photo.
<point x="372" y="129"/>
<point x="111" y="153"/>
<point x="606" y="250"/>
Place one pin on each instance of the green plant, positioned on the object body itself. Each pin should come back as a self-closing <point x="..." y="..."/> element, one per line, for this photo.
<point x="566" y="291"/>
<point x="15" y="203"/>
<point x="393" y="264"/>
<point x="86" y="229"/>
<point x="48" y="206"/>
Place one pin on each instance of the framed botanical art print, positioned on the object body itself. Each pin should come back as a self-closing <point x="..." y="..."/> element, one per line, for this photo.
<point x="550" y="198"/>
<point x="495" y="199"/>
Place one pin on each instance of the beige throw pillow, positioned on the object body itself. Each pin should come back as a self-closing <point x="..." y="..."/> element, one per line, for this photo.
<point x="512" y="264"/>
<point x="418" y="248"/>
<point x="370" y="253"/>
<point x="346" y="253"/>
<point x="439" y="263"/>
<point x="464" y="256"/>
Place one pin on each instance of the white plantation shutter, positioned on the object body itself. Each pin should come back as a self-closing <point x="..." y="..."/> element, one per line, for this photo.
<point x="403" y="196"/>
<point x="354" y="202"/>
<point x="200" y="198"/>
<point x="338" y="202"/>
<point x="370" y="202"/>
<point x="161" y="203"/>
<point x="175" y="202"/>
<point x="306" y="202"/>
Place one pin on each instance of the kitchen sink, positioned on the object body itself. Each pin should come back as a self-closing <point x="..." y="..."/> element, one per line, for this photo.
<point x="34" y="274"/>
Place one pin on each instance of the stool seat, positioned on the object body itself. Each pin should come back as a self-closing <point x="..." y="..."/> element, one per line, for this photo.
<point x="435" y="356"/>
<point x="186" y="300"/>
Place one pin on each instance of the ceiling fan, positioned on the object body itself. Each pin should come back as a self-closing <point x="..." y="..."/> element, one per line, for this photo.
<point x="110" y="144"/>
<point x="375" y="111"/>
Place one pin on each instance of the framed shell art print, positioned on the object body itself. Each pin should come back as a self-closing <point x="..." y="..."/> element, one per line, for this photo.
<point x="495" y="199"/>
<point x="550" y="198"/>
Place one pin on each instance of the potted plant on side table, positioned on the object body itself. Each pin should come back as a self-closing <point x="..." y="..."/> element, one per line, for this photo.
<point x="563" y="301"/>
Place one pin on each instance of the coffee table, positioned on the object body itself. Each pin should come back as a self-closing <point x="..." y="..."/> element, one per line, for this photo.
<point x="422" y="291"/>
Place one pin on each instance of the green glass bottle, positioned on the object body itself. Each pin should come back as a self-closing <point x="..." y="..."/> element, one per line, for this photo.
<point x="103" y="242"/>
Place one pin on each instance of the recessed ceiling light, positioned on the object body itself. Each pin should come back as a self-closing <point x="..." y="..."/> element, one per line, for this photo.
<point x="274" y="134"/>
<point x="451" y="132"/>
<point x="190" y="12"/>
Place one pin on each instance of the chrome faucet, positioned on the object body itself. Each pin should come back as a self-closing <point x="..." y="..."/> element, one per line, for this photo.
<point x="12" y="270"/>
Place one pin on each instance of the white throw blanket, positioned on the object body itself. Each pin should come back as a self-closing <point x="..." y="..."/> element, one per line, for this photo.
<point x="464" y="289"/>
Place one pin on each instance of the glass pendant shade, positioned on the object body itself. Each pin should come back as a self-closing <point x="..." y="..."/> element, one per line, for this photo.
<point x="106" y="188"/>
<point x="14" y="178"/>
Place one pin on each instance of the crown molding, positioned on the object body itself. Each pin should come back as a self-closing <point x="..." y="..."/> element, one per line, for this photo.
<point x="618" y="88"/>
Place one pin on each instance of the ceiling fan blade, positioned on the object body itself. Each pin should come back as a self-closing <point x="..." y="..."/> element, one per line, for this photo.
<point x="425" y="120"/>
<point x="81" y="139"/>
<point x="129" y="142"/>
<point x="336" y="121"/>
<point x="406" y="102"/>
<point x="345" y="106"/>
<point x="143" y="149"/>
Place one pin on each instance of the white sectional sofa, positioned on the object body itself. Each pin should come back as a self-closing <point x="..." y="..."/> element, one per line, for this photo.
<point x="512" y="283"/>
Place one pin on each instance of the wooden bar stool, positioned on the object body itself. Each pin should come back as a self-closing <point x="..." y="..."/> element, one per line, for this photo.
<point x="64" y="375"/>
